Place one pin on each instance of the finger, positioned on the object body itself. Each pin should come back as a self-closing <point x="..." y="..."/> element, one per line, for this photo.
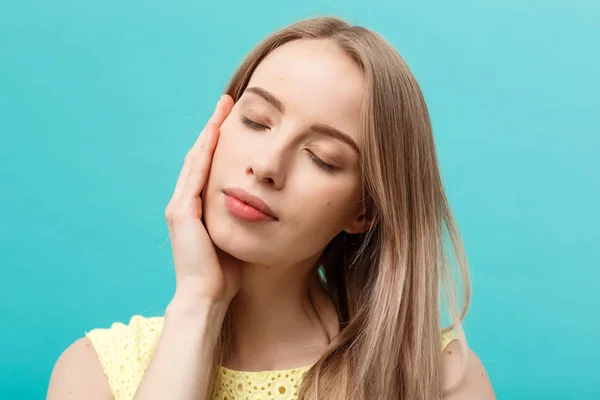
<point x="223" y="108"/>
<point x="194" y="175"/>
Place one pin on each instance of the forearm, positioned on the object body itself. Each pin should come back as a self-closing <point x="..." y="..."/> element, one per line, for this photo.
<point x="181" y="363"/>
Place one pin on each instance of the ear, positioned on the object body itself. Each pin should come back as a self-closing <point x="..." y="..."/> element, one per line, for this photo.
<point x="359" y="224"/>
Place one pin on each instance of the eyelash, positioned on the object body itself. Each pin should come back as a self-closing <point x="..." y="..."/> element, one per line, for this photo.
<point x="253" y="125"/>
<point x="318" y="162"/>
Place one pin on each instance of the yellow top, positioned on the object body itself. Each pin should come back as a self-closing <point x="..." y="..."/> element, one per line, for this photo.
<point x="125" y="351"/>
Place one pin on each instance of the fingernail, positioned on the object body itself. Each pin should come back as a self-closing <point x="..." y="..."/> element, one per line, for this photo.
<point x="220" y="99"/>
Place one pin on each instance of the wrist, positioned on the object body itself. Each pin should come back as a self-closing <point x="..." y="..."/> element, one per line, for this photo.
<point x="187" y="307"/>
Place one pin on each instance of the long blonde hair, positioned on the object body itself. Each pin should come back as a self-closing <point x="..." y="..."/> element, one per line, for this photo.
<point x="389" y="283"/>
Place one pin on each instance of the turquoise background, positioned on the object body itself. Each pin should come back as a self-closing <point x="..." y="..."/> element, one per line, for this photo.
<point x="100" y="100"/>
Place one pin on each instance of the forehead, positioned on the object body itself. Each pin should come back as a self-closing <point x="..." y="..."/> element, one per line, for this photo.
<point x="316" y="81"/>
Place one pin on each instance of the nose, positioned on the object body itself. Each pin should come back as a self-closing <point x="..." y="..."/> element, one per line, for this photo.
<point x="268" y="168"/>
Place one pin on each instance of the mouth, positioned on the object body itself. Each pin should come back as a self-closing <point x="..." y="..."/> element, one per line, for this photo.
<point x="247" y="207"/>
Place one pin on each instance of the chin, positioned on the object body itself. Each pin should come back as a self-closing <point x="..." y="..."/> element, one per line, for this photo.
<point x="244" y="244"/>
<point x="242" y="247"/>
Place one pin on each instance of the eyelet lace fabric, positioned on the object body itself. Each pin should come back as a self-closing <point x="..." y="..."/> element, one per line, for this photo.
<point x="280" y="385"/>
<point x="125" y="351"/>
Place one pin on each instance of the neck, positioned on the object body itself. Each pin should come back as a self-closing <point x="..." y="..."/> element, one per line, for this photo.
<point x="275" y="323"/>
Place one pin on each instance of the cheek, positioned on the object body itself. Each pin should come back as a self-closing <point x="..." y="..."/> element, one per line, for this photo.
<point x="228" y="152"/>
<point x="326" y="207"/>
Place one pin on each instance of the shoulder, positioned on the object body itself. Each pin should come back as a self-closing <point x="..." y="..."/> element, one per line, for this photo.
<point x="78" y="374"/>
<point x="106" y="362"/>
<point x="464" y="376"/>
<point x="140" y="334"/>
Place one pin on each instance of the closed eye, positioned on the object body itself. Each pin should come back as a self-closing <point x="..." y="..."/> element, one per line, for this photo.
<point x="320" y="163"/>
<point x="253" y="125"/>
<point x="316" y="160"/>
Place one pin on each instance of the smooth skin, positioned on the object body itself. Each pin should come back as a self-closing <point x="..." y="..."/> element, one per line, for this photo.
<point x="222" y="262"/>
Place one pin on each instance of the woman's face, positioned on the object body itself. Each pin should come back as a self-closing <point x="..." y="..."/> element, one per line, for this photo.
<point x="291" y="140"/>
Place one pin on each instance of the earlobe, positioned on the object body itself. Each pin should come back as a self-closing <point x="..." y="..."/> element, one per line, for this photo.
<point x="359" y="225"/>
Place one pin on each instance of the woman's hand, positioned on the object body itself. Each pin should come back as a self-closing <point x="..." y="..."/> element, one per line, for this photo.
<point x="199" y="272"/>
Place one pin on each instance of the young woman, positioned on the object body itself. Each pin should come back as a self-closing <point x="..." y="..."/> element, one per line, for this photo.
<point x="308" y="227"/>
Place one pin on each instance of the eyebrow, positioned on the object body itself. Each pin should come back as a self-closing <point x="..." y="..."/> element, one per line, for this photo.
<point x="319" y="128"/>
<point x="268" y="97"/>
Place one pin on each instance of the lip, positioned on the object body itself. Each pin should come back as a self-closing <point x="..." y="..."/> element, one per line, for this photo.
<point x="254" y="202"/>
